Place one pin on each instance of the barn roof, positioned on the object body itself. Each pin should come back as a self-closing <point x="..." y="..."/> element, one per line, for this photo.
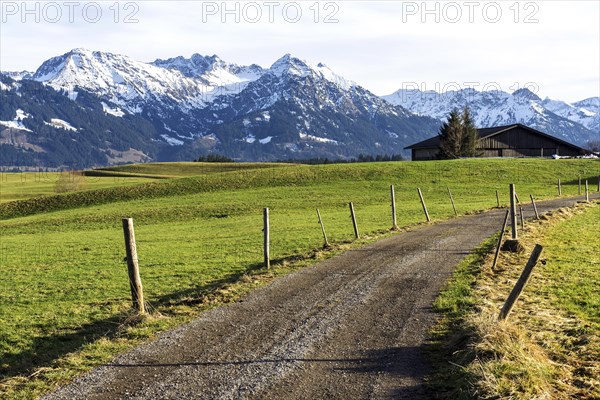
<point x="434" y="142"/>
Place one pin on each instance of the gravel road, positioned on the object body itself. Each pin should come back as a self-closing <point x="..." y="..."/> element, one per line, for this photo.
<point x="351" y="327"/>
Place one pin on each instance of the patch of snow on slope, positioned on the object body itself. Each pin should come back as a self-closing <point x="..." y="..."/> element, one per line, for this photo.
<point x="317" y="138"/>
<point x="117" y="112"/>
<point x="17" y="122"/>
<point x="60" y="124"/>
<point x="4" y="87"/>
<point x="171" y="140"/>
<point x="14" y="125"/>
<point x="21" y="115"/>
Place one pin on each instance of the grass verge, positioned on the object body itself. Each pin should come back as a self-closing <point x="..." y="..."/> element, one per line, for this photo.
<point x="549" y="347"/>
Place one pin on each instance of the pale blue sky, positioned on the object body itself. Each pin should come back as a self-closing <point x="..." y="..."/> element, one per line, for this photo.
<point x="383" y="45"/>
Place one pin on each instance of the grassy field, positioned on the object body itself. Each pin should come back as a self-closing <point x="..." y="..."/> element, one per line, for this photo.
<point x="64" y="305"/>
<point x="180" y="169"/>
<point x="550" y="345"/>
<point x="26" y="185"/>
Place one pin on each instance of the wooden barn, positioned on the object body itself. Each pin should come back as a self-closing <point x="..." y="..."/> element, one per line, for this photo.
<point x="505" y="141"/>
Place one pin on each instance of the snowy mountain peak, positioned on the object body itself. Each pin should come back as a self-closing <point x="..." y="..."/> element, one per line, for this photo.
<point x="212" y="70"/>
<point x="194" y="67"/>
<point x="18" y="75"/>
<point x="526" y="94"/>
<point x="81" y="51"/>
<point x="592" y="102"/>
<point x="120" y="79"/>
<point x="585" y="112"/>
<point x="289" y="65"/>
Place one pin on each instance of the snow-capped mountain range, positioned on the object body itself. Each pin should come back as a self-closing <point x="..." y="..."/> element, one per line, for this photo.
<point x="180" y="108"/>
<point x="584" y="112"/>
<point x="123" y="81"/>
<point x="578" y="122"/>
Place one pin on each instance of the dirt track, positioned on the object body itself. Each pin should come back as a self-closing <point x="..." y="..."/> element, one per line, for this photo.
<point x="351" y="327"/>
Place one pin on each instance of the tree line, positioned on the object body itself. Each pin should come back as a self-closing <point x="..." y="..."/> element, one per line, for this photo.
<point x="361" y="158"/>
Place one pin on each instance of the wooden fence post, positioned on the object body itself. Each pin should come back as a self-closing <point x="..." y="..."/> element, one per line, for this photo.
<point x="513" y="211"/>
<point x="423" y="204"/>
<point x="522" y="217"/>
<point x="497" y="200"/>
<point x="393" y="199"/>
<point x="500" y="239"/>
<point x="587" y="191"/>
<point x="326" y="244"/>
<point x="537" y="216"/>
<point x="452" y="200"/>
<point x="559" y="188"/>
<point x="579" y="186"/>
<point x="267" y="239"/>
<point x="133" y="268"/>
<point x="598" y="184"/>
<point x="356" y="235"/>
<point x="516" y="292"/>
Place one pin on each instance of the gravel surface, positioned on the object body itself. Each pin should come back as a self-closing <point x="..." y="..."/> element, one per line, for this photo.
<point x="351" y="327"/>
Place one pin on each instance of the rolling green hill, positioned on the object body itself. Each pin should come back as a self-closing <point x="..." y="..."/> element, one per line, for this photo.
<point x="28" y="185"/>
<point x="179" y="169"/>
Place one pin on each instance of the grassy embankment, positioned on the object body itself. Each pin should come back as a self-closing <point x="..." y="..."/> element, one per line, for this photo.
<point x="549" y="347"/>
<point x="27" y="185"/>
<point x="65" y="300"/>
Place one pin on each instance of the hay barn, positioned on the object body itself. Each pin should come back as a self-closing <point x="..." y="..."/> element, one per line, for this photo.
<point x="505" y="141"/>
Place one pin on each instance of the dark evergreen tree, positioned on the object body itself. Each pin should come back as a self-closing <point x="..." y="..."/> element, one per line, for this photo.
<point x="458" y="136"/>
<point x="469" y="135"/>
<point x="451" y="136"/>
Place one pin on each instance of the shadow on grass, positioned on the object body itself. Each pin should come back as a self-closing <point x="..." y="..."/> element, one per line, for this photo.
<point x="201" y="294"/>
<point x="592" y="182"/>
<point x="45" y="350"/>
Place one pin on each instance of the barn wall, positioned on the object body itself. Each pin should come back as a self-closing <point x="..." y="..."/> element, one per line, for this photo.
<point x="425" y="154"/>
<point x="516" y="142"/>
<point x="517" y="138"/>
<point x="519" y="142"/>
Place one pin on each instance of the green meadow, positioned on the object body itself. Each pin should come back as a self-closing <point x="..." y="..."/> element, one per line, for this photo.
<point x="26" y="185"/>
<point x="65" y="305"/>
